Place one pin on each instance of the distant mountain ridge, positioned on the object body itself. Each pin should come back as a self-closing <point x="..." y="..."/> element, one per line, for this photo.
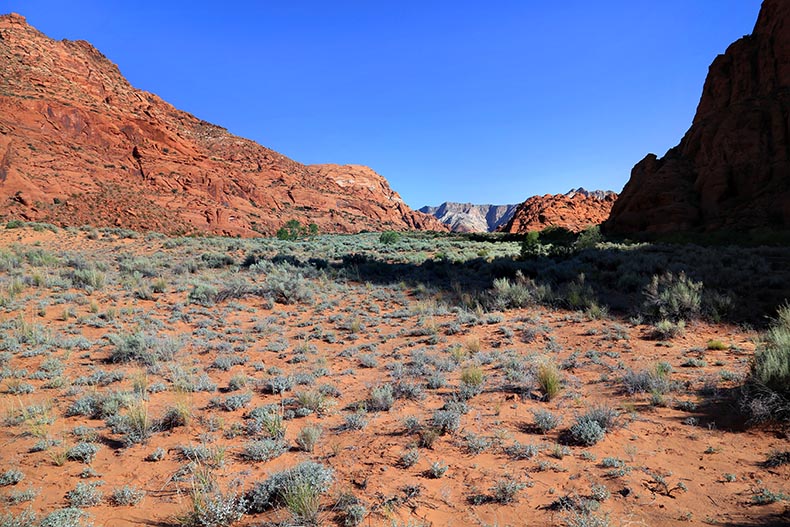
<point x="575" y="210"/>
<point x="467" y="217"/>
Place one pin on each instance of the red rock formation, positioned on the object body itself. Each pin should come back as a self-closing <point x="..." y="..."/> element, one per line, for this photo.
<point x="575" y="211"/>
<point x="79" y="145"/>
<point x="731" y="171"/>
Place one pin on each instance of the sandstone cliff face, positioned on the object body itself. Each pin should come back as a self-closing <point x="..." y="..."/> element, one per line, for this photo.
<point x="576" y="210"/>
<point x="731" y="171"/>
<point x="79" y="145"/>
<point x="466" y="217"/>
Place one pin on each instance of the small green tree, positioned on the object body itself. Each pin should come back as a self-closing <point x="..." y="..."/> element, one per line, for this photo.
<point x="293" y="230"/>
<point x="389" y="237"/>
<point x="531" y="246"/>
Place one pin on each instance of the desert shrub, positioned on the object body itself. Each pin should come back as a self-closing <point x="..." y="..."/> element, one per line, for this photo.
<point x="356" y="421"/>
<point x="174" y="417"/>
<point x="666" y="329"/>
<point x="83" y="452"/>
<point x="766" y="392"/>
<point x="308" y="477"/>
<point x="381" y="398"/>
<point x="134" y="427"/>
<point x="591" y="427"/>
<point x="216" y="260"/>
<point x="85" y="495"/>
<point x="436" y="470"/>
<point x="506" y="490"/>
<point x="517" y="293"/>
<point x="26" y="518"/>
<point x="522" y="451"/>
<point x="284" y="283"/>
<point x="232" y="402"/>
<point x="263" y="450"/>
<point x="127" y="495"/>
<point x="587" y="433"/>
<point x="476" y="444"/>
<point x="69" y="517"/>
<point x="157" y="455"/>
<point x="11" y="477"/>
<point x="143" y="349"/>
<point x="672" y="297"/>
<point x="354" y="515"/>
<point x="472" y="382"/>
<point x="202" y="294"/>
<point x="313" y="401"/>
<point x="213" y="509"/>
<point x="546" y="420"/>
<point x="267" y="421"/>
<point x="777" y="458"/>
<point x="446" y="421"/>
<point x="577" y="518"/>
<point x="409" y="458"/>
<point x="654" y="381"/>
<point x="89" y="279"/>
<point x="278" y="384"/>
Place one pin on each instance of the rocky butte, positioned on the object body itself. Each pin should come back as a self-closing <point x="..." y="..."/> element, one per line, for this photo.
<point x="731" y="171"/>
<point x="466" y="217"/>
<point x="575" y="210"/>
<point x="80" y="145"/>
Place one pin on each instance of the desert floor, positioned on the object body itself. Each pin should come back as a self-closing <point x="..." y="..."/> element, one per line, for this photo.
<point x="145" y="376"/>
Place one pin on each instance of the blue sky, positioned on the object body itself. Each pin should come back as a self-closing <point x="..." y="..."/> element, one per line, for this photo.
<point x="488" y="102"/>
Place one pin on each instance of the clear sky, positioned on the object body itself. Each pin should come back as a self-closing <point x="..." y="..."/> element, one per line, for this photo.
<point x="483" y="101"/>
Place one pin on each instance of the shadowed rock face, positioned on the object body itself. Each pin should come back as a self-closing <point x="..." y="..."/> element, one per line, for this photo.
<point x="80" y="145"/>
<point x="466" y="217"/>
<point x="731" y="171"/>
<point x="576" y="210"/>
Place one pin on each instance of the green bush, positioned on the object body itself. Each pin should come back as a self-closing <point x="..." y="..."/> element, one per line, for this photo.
<point x="766" y="393"/>
<point x="293" y="230"/>
<point x="673" y="297"/>
<point x="389" y="237"/>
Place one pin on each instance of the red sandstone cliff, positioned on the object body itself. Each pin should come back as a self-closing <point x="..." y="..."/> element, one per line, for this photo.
<point x="80" y="145"/>
<point x="575" y="211"/>
<point x="731" y="171"/>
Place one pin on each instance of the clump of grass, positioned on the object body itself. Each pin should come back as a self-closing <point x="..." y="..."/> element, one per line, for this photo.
<point x="296" y="488"/>
<point x="549" y="380"/>
<point x="716" y="345"/>
<point x="308" y="437"/>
